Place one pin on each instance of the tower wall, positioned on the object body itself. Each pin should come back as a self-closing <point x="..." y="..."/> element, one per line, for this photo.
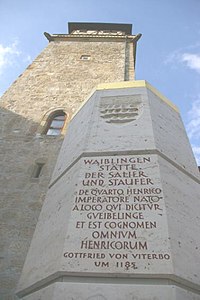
<point x="57" y="79"/>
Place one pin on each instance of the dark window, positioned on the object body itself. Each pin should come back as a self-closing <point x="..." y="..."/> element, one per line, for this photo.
<point x="85" y="57"/>
<point x="37" y="170"/>
<point x="56" y="124"/>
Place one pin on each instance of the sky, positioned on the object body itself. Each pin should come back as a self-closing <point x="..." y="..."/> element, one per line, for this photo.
<point x="168" y="54"/>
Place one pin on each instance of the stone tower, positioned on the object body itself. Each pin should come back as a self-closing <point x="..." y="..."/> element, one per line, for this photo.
<point x="35" y="112"/>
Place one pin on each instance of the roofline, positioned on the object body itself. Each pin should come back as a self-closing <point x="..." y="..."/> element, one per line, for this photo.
<point x="127" y="28"/>
<point x="62" y="37"/>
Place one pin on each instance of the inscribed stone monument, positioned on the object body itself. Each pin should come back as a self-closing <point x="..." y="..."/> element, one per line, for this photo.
<point x="121" y="216"/>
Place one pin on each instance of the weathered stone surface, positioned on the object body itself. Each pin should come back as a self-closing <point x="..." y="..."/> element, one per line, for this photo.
<point x="105" y="291"/>
<point x="121" y="206"/>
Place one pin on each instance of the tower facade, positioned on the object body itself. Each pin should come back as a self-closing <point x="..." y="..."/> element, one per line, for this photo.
<point x="35" y="112"/>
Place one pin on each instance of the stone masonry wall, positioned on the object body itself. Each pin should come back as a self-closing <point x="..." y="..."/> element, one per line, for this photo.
<point x="57" y="78"/>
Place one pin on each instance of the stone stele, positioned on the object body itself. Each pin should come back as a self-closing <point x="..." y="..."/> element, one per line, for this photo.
<point x="121" y="217"/>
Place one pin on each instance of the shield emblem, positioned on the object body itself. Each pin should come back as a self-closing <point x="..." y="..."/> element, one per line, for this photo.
<point x="118" y="110"/>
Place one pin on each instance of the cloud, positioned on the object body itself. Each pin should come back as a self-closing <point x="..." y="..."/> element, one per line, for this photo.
<point x="27" y="59"/>
<point x="188" y="56"/>
<point x="8" y="55"/>
<point x="193" y="126"/>
<point x="12" y="56"/>
<point x="196" y="151"/>
<point x="192" y="61"/>
<point x="172" y="57"/>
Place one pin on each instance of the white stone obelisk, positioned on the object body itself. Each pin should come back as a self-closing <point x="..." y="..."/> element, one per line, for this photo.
<point x="122" y="215"/>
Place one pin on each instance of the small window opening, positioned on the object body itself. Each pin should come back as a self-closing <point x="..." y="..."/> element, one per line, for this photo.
<point x="56" y="124"/>
<point x="85" y="57"/>
<point x="37" y="170"/>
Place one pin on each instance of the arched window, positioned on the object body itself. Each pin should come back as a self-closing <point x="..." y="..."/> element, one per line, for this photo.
<point x="56" y="123"/>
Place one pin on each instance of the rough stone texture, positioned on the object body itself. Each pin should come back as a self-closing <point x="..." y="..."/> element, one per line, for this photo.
<point x="57" y="79"/>
<point x="119" y="172"/>
<point x="104" y="291"/>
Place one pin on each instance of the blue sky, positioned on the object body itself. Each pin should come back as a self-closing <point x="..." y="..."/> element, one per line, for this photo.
<point x="168" y="54"/>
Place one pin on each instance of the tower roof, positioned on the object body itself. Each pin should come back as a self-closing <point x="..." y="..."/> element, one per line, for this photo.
<point x="127" y="28"/>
